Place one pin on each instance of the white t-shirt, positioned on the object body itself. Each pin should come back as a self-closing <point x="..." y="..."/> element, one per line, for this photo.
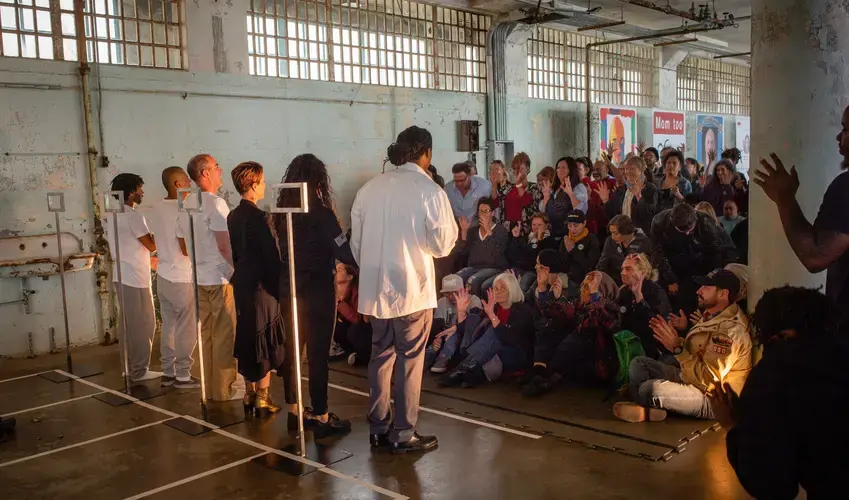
<point x="135" y="257"/>
<point x="212" y="268"/>
<point x="447" y="311"/>
<point x="162" y="220"/>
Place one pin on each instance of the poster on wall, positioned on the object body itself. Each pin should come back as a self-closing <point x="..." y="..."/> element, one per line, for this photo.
<point x="668" y="129"/>
<point x="708" y="137"/>
<point x="619" y="130"/>
<point x="744" y="143"/>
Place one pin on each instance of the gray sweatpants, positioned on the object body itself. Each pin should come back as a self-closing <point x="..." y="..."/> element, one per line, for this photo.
<point x="141" y="326"/>
<point x="399" y="344"/>
<point x="179" y="327"/>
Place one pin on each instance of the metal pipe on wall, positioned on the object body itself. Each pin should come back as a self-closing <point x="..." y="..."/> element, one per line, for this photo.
<point x="100" y="244"/>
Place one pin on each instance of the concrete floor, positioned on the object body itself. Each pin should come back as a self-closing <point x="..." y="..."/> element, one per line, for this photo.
<point x="493" y="444"/>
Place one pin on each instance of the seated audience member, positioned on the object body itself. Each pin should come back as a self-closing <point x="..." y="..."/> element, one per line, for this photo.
<point x="518" y="201"/>
<point x="582" y="249"/>
<point x="730" y="216"/>
<point x="637" y="198"/>
<point x="582" y="349"/>
<point x="484" y="244"/>
<point x="567" y="193"/>
<point x="522" y="251"/>
<point x="640" y="300"/>
<point x="596" y="214"/>
<point x="465" y="190"/>
<point x="673" y="185"/>
<point x="445" y="319"/>
<point x="717" y="349"/>
<point x="550" y="274"/>
<point x="685" y="243"/>
<point x="788" y="427"/>
<point x="740" y="237"/>
<point x="352" y="334"/>
<point x="499" y="340"/>
<point x="625" y="239"/>
<point x="730" y="252"/>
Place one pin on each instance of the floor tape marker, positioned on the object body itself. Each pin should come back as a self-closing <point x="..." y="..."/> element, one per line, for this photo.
<point x="23" y="376"/>
<point x="51" y="404"/>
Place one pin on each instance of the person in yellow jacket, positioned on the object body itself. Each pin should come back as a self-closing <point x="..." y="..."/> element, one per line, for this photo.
<point x="717" y="350"/>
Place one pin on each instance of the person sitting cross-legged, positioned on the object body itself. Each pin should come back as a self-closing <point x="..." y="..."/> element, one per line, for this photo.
<point x="499" y="340"/>
<point x="484" y="243"/>
<point x="717" y="350"/>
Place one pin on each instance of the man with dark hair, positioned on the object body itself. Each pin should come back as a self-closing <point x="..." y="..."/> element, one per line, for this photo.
<point x="214" y="268"/>
<point x="174" y="286"/>
<point x="684" y="244"/>
<point x="465" y="190"/>
<point x="136" y="247"/>
<point x="717" y="349"/>
<point x="788" y="427"/>
<point x="625" y="239"/>
<point x="825" y="243"/>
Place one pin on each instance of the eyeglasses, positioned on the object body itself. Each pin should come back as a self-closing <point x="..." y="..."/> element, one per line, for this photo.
<point x="484" y="211"/>
<point x="686" y="230"/>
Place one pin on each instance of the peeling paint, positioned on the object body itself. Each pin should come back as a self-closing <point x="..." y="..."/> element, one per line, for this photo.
<point x="219" y="50"/>
<point x="6" y="233"/>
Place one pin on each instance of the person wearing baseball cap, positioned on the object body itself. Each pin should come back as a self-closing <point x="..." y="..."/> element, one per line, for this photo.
<point x="445" y="322"/>
<point x="717" y="351"/>
<point x="581" y="247"/>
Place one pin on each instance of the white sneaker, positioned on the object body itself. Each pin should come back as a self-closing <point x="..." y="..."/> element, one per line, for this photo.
<point x="336" y="350"/>
<point x="148" y="375"/>
<point x="352" y="359"/>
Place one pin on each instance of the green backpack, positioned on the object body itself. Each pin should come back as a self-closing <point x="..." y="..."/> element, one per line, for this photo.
<point x="628" y="347"/>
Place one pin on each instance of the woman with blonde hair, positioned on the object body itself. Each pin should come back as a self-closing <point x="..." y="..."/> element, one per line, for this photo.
<point x="641" y="299"/>
<point x="500" y="339"/>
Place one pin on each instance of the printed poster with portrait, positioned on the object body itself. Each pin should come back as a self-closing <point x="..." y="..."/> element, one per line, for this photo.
<point x="668" y="129"/>
<point x="709" y="137"/>
<point x="744" y="143"/>
<point x="619" y="129"/>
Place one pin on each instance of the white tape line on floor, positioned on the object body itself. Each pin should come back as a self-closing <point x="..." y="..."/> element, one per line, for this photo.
<point x="448" y="415"/>
<point x="57" y="403"/>
<point x="83" y="443"/>
<point x="195" y="477"/>
<point x="23" y="377"/>
<point x="320" y="467"/>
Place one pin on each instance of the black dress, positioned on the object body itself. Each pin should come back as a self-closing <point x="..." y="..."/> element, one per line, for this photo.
<point x="260" y="331"/>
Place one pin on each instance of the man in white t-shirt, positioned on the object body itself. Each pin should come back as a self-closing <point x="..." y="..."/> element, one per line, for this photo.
<point x="214" y="260"/>
<point x="136" y="247"/>
<point x="174" y="286"/>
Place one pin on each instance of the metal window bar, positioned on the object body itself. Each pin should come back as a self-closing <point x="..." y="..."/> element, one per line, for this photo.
<point x="620" y="74"/>
<point x="710" y="86"/>
<point x="382" y="42"/>
<point x="126" y="32"/>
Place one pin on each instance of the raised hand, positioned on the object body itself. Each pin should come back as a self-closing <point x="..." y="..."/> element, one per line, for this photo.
<point x="516" y="231"/>
<point x="546" y="189"/>
<point x="673" y="288"/>
<point x="682" y="147"/>
<point x="464" y="223"/>
<point x="711" y="156"/>
<point x="641" y="146"/>
<point x="695" y="317"/>
<point x="722" y="401"/>
<point x="557" y="287"/>
<point x="489" y="306"/>
<point x="568" y="244"/>
<point x="593" y="280"/>
<point x="603" y="191"/>
<point x="779" y="184"/>
<point x="664" y="333"/>
<point x="463" y="300"/>
<point x="678" y="321"/>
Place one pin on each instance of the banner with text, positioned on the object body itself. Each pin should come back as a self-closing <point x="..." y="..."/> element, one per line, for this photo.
<point x="668" y="129"/>
<point x="744" y="143"/>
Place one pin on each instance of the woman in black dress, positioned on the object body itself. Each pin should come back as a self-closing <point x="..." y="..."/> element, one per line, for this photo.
<point x="319" y="242"/>
<point x="260" y="331"/>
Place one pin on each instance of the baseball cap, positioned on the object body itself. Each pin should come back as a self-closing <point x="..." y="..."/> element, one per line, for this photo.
<point x="576" y="216"/>
<point x="723" y="279"/>
<point x="451" y="283"/>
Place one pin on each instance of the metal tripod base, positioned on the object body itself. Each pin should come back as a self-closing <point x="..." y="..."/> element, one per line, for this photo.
<point x="315" y="452"/>
<point x="140" y="392"/>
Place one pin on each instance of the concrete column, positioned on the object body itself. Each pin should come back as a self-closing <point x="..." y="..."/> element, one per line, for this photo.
<point x="799" y="90"/>
<point x="669" y="58"/>
<point x="217" y="36"/>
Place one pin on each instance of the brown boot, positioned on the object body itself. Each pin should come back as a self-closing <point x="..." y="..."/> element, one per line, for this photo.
<point x="263" y="402"/>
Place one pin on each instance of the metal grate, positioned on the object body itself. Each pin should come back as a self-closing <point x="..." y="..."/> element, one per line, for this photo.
<point x="129" y="32"/>
<point x="620" y="74"/>
<point x="710" y="86"/>
<point x="381" y="42"/>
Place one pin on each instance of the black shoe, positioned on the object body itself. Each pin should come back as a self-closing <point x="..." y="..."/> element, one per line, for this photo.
<point x="415" y="444"/>
<point x="309" y="420"/>
<point x="528" y="377"/>
<point x="334" y="426"/>
<point x="538" y="386"/>
<point x="474" y="377"/>
<point x="7" y="424"/>
<point x="379" y="440"/>
<point x="455" y="377"/>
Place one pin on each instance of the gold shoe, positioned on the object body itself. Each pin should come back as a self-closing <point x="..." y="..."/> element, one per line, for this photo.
<point x="263" y="402"/>
<point x="249" y="399"/>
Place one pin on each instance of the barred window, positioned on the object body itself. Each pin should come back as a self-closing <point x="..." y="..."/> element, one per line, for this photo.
<point x="129" y="32"/>
<point x="621" y="74"/>
<point x="710" y="86"/>
<point x="381" y="42"/>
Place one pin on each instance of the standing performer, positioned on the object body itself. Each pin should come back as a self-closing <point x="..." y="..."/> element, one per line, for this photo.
<point x="260" y="332"/>
<point x="319" y="242"/>
<point x="400" y="221"/>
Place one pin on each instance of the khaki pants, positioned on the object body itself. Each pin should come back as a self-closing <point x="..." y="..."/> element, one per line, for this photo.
<point x="141" y="327"/>
<point x="218" y="334"/>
